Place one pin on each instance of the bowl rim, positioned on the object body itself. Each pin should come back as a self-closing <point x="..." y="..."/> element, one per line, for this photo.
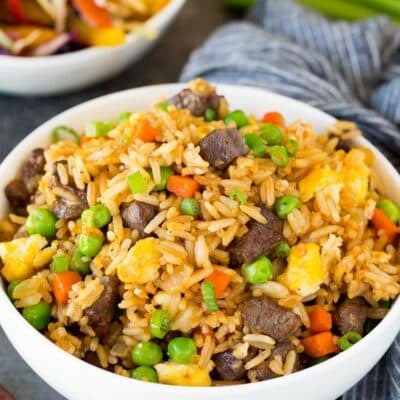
<point x="154" y="23"/>
<point x="388" y="323"/>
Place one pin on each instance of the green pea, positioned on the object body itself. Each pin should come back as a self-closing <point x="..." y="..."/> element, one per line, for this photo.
<point x="145" y="373"/>
<point x="285" y="205"/>
<point x="80" y="263"/>
<point x="271" y="134"/>
<point x="147" y="353"/>
<point x="11" y="287"/>
<point x="97" y="216"/>
<point x="190" y="207"/>
<point x="210" y="115"/>
<point x="256" y="144"/>
<point x="390" y="209"/>
<point x="239" y="117"/>
<point x="123" y="116"/>
<point x="165" y="173"/>
<point x="59" y="264"/>
<point x="38" y="315"/>
<point x="279" y="156"/>
<point x="282" y="250"/>
<point x="41" y="221"/>
<point x="258" y="271"/>
<point x="89" y="246"/>
<point x="182" y="350"/>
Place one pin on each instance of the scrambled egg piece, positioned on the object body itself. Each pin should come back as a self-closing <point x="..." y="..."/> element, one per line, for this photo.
<point x="171" y="373"/>
<point x="18" y="256"/>
<point x="142" y="262"/>
<point x="355" y="175"/>
<point x="304" y="273"/>
<point x="319" y="178"/>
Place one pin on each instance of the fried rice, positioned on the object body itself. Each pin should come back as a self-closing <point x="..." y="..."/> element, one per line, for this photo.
<point x="337" y="252"/>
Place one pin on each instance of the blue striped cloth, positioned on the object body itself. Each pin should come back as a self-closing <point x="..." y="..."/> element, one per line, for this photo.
<point x="349" y="70"/>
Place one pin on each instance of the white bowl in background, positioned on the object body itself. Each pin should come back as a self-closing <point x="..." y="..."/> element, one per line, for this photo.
<point x="56" y="74"/>
<point x="78" y="380"/>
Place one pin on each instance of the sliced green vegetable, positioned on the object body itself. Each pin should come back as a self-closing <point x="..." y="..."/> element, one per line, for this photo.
<point x="208" y="293"/>
<point x="160" y="323"/>
<point x="285" y="205"/>
<point x="137" y="183"/>
<point x="348" y="340"/>
<point x="292" y="147"/>
<point x="390" y="209"/>
<point x="64" y="133"/>
<point x="60" y="264"/>
<point x="163" y="107"/>
<point x="123" y="116"/>
<point x="165" y="173"/>
<point x="98" y="128"/>
<point x="237" y="194"/>
<point x="279" y="156"/>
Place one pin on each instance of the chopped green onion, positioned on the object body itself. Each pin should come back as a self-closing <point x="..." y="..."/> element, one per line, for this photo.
<point x="64" y="133"/>
<point x="165" y="173"/>
<point x="279" y="156"/>
<point x="348" y="339"/>
<point x="236" y="193"/>
<point x="208" y="293"/>
<point x="160" y="323"/>
<point x="282" y="250"/>
<point x="258" y="271"/>
<point x="11" y="287"/>
<point x="292" y="147"/>
<point x="390" y="209"/>
<point x="285" y="205"/>
<point x="145" y="373"/>
<point x="163" y="107"/>
<point x="123" y="116"/>
<point x="137" y="183"/>
<point x="97" y="216"/>
<point x="98" y="128"/>
<point x="256" y="144"/>
<point x="59" y="264"/>
<point x="271" y="133"/>
<point x="190" y="207"/>
<point x="210" y="115"/>
<point x="239" y="117"/>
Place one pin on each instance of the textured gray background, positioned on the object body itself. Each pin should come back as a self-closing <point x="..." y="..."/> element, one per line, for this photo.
<point x="20" y="116"/>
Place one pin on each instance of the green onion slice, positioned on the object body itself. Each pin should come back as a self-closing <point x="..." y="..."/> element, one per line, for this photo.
<point x="237" y="194"/>
<point x="348" y="339"/>
<point x="64" y="133"/>
<point x="137" y="183"/>
<point x="208" y="293"/>
<point x="160" y="323"/>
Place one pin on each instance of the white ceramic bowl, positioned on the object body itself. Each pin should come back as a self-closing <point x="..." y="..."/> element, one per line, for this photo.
<point x="39" y="76"/>
<point x="78" y="380"/>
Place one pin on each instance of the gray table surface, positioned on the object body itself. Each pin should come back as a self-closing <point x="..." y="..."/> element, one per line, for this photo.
<point x="19" y="116"/>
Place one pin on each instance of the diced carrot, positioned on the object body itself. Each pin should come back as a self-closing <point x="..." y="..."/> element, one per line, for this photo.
<point x="320" y="344"/>
<point x="320" y="320"/>
<point x="382" y="221"/>
<point x="146" y="131"/>
<point x="92" y="13"/>
<point x="275" y="118"/>
<point x="62" y="284"/>
<point x="220" y="280"/>
<point x="182" y="186"/>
